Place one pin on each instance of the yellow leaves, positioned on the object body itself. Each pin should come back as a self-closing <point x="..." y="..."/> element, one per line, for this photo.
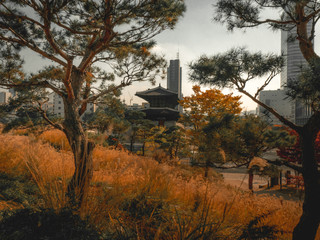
<point x="200" y="106"/>
<point x="196" y="89"/>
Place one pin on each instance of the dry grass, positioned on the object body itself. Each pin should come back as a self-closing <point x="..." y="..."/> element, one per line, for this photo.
<point x="20" y="155"/>
<point x="135" y="196"/>
<point x="56" y="138"/>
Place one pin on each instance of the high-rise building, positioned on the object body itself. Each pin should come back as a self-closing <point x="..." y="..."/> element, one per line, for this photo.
<point x="174" y="77"/>
<point x="294" y="110"/>
<point x="294" y="62"/>
<point x="4" y="97"/>
<point x="58" y="106"/>
<point x="278" y="100"/>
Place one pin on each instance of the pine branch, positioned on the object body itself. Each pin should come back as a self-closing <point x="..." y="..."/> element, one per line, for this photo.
<point x="278" y="162"/>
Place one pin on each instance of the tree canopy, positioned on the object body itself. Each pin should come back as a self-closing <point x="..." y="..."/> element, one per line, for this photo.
<point x="86" y="44"/>
<point x="283" y="15"/>
<point x="222" y="70"/>
<point x="202" y="105"/>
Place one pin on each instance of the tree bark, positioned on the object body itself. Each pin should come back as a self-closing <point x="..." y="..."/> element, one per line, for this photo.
<point x="250" y="183"/>
<point x="143" y="147"/>
<point x="82" y="150"/>
<point x="131" y="145"/>
<point x="308" y="224"/>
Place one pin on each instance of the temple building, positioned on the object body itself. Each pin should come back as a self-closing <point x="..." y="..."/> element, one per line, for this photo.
<point x="163" y="105"/>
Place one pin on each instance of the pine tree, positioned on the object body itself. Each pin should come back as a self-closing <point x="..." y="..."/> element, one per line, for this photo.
<point x="74" y="36"/>
<point x="236" y="68"/>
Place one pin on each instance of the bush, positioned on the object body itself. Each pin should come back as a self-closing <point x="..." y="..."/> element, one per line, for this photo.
<point x="256" y="230"/>
<point x="56" y="138"/>
<point x="28" y="224"/>
<point x="18" y="189"/>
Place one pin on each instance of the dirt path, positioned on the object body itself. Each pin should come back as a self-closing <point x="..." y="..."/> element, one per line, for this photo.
<point x="260" y="186"/>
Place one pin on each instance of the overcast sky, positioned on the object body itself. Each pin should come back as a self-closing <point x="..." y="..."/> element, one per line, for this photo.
<point x="197" y="34"/>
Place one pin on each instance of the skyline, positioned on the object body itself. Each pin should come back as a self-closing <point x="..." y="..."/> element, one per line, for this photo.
<point x="196" y="34"/>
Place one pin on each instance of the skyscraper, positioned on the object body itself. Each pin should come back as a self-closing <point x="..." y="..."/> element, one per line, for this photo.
<point x="174" y="77"/>
<point x="294" y="61"/>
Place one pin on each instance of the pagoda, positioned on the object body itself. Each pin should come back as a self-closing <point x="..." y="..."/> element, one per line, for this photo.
<point x="163" y="107"/>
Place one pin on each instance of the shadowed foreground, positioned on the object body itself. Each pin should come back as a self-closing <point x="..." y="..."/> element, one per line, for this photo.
<point x="138" y="198"/>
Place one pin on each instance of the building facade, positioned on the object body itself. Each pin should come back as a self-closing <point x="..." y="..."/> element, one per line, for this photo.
<point x="58" y="106"/>
<point x="162" y="106"/>
<point x="296" y="111"/>
<point x="4" y="97"/>
<point x="174" y="77"/>
<point x="278" y="100"/>
<point x="294" y="62"/>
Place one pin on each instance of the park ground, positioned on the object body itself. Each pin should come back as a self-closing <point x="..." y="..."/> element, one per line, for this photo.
<point x="136" y="197"/>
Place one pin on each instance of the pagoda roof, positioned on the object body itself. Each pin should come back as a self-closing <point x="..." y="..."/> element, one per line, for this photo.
<point x="155" y="113"/>
<point x="157" y="91"/>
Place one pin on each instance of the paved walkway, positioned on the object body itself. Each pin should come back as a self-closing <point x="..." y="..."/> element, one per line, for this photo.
<point x="241" y="180"/>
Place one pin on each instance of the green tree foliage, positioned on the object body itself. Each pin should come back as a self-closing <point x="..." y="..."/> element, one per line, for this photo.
<point x="237" y="67"/>
<point x="174" y="142"/>
<point x="138" y="127"/>
<point x="167" y="143"/>
<point x="109" y="116"/>
<point x="74" y="36"/>
<point x="200" y="108"/>
<point x="234" y="141"/>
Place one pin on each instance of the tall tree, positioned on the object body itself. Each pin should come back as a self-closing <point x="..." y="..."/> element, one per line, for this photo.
<point x="109" y="115"/>
<point x="201" y="106"/>
<point x="254" y="137"/>
<point x="242" y="138"/>
<point x="237" y="68"/>
<point x="137" y="126"/>
<point x="74" y="36"/>
<point x="294" y="15"/>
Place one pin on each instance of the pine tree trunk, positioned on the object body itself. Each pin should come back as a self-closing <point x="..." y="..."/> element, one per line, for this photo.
<point x="143" y="147"/>
<point x="308" y="225"/>
<point x="250" y="180"/>
<point x="131" y="145"/>
<point x="82" y="150"/>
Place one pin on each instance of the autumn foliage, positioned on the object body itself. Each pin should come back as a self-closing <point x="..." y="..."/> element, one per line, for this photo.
<point x="138" y="198"/>
<point x="202" y="105"/>
<point x="293" y="153"/>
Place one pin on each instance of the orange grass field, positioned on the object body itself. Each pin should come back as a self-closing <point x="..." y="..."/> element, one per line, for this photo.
<point x="129" y="193"/>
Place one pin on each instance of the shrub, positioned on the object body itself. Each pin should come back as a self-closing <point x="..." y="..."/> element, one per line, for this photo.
<point x="255" y="230"/>
<point x="25" y="224"/>
<point x="19" y="190"/>
<point x="56" y="138"/>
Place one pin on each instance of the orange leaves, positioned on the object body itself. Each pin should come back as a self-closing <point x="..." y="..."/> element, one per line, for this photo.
<point x="201" y="106"/>
<point x="211" y="103"/>
<point x="145" y="51"/>
<point x="169" y="19"/>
